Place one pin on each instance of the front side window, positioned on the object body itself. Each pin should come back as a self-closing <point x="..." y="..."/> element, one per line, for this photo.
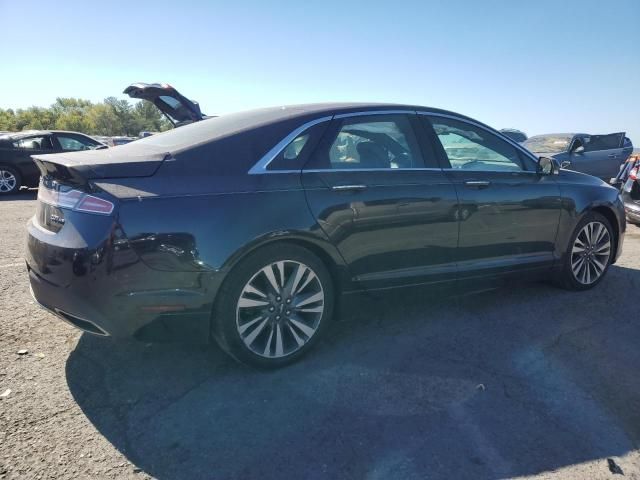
<point x="548" y="144"/>
<point x="74" y="143"/>
<point x="372" y="142"/>
<point x="475" y="149"/>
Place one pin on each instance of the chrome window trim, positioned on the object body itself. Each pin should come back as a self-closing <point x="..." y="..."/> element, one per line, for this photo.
<point x="374" y="112"/>
<point x="343" y="170"/>
<point x="267" y="158"/>
<point x="475" y="124"/>
<point x="261" y="166"/>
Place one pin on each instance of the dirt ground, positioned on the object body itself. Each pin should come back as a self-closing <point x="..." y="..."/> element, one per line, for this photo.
<point x="524" y="381"/>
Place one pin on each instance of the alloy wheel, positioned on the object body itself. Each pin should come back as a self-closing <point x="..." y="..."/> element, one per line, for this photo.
<point x="280" y="308"/>
<point x="590" y="253"/>
<point x="7" y="181"/>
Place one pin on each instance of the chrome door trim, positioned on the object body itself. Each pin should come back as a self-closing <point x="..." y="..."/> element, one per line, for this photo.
<point x="488" y="129"/>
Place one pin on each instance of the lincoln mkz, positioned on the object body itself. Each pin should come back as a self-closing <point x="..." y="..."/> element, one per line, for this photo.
<point x="247" y="228"/>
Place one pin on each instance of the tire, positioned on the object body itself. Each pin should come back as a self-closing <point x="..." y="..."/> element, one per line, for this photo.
<point x="261" y="323"/>
<point x="586" y="262"/>
<point x="10" y="180"/>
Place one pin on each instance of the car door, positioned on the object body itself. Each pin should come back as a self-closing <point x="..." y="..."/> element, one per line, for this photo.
<point x="24" y="147"/>
<point x="376" y="189"/>
<point x="598" y="155"/>
<point x="509" y="213"/>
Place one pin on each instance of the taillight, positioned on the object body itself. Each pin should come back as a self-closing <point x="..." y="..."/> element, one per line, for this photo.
<point x="75" y="200"/>
<point x="633" y="174"/>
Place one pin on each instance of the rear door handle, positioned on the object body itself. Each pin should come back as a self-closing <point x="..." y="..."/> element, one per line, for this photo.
<point x="477" y="183"/>
<point x="349" y="188"/>
<point x="612" y="155"/>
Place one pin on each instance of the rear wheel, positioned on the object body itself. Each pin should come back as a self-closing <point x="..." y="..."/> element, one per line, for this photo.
<point x="274" y="306"/>
<point x="10" y="180"/>
<point x="590" y="253"/>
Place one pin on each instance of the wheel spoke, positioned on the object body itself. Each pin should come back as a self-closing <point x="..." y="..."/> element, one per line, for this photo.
<point x="292" y="330"/>
<point x="308" y="331"/>
<point x="255" y="291"/>
<point x="295" y="279"/>
<point x="279" y="349"/>
<point x="577" y="249"/>
<point x="253" y="335"/>
<point x="268" y="271"/>
<point x="267" y="347"/>
<point x="280" y="266"/>
<point x="311" y="276"/>
<point x="248" y="303"/>
<point x="312" y="309"/>
<point x="307" y="299"/>
<point x="245" y="326"/>
<point x="599" y="267"/>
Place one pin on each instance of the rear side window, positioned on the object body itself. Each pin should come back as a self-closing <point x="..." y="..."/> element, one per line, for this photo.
<point x="596" y="143"/>
<point x="372" y="142"/>
<point x="472" y="148"/>
<point x="34" y="143"/>
<point x="294" y="155"/>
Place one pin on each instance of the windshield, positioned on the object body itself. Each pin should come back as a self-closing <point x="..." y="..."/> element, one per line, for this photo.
<point x="549" y="143"/>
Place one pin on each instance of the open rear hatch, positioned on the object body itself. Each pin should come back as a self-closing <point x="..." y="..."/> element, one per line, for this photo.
<point x="176" y="107"/>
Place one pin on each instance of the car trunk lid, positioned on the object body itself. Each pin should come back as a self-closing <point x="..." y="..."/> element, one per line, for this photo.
<point x="175" y="106"/>
<point x="78" y="168"/>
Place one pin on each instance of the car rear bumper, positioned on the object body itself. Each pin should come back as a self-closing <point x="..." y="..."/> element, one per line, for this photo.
<point x="107" y="290"/>
<point x="632" y="211"/>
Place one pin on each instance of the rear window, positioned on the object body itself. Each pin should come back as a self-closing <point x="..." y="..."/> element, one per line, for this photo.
<point x="211" y="129"/>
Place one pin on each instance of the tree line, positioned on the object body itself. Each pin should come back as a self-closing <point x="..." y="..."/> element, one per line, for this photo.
<point x="112" y="117"/>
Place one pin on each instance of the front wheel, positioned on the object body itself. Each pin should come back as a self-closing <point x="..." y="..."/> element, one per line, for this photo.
<point x="273" y="307"/>
<point x="10" y="180"/>
<point x="590" y="253"/>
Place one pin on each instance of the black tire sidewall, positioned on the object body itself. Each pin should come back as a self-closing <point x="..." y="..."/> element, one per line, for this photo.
<point x="568" y="279"/>
<point x="18" y="177"/>
<point x="223" y="323"/>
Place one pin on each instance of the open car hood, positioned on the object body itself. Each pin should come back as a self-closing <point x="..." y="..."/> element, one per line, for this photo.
<point x="176" y="107"/>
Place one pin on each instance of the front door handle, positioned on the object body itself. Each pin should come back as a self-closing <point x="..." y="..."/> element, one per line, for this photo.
<point x="612" y="155"/>
<point x="348" y="188"/>
<point x="477" y="183"/>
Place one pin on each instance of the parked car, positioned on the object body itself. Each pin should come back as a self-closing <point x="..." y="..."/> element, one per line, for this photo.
<point x="178" y="109"/>
<point x="514" y="134"/>
<point x="247" y="227"/>
<point x="16" y="167"/>
<point x="630" y="191"/>
<point x="597" y="155"/>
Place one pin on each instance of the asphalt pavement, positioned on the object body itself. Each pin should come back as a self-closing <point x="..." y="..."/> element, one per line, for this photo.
<point x="524" y="381"/>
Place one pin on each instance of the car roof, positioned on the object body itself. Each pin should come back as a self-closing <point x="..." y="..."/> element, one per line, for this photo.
<point x="31" y="133"/>
<point x="284" y="118"/>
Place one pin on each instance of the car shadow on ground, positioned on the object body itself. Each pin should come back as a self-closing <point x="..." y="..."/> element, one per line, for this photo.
<point x="24" y="194"/>
<point x="515" y="381"/>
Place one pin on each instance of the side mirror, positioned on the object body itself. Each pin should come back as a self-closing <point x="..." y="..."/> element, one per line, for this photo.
<point x="548" y="166"/>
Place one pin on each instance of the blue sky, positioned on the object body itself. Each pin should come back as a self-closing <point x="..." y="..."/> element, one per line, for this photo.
<point x="541" y="66"/>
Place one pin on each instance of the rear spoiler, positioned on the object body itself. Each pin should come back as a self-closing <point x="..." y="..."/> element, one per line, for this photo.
<point x="78" y="168"/>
